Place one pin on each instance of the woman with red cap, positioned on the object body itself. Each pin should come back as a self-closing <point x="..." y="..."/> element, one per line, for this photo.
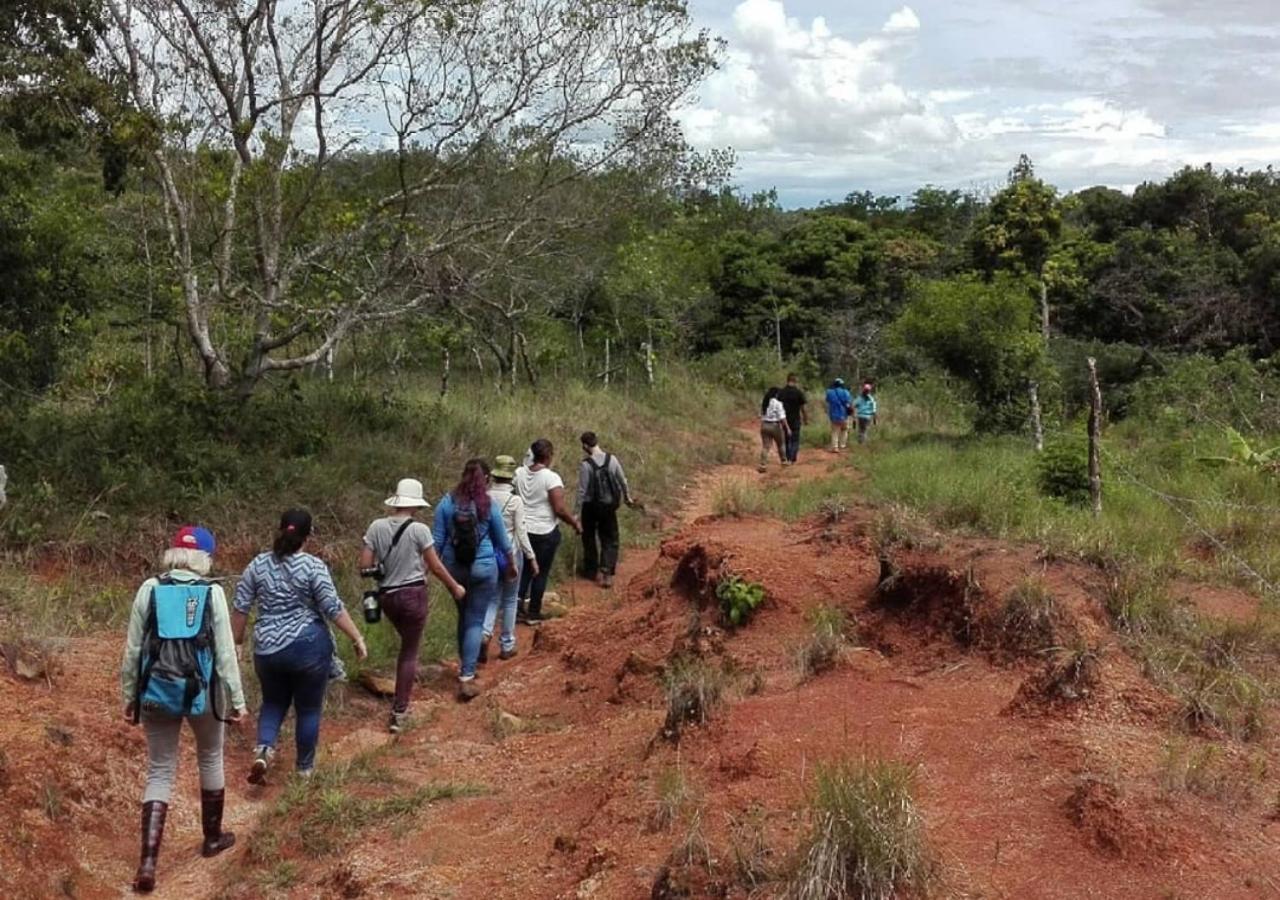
<point x="179" y="659"/>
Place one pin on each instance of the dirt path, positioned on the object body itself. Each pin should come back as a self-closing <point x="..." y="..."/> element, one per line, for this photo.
<point x="1021" y="797"/>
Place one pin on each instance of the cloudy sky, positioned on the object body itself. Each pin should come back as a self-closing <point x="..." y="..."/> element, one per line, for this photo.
<point x="823" y="97"/>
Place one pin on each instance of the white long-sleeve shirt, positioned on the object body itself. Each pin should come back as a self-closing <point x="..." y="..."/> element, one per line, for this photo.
<point x="508" y="502"/>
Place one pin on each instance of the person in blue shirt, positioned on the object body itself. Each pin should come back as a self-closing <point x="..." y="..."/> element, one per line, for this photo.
<point x="470" y="536"/>
<point x="839" y="405"/>
<point x="864" y="409"/>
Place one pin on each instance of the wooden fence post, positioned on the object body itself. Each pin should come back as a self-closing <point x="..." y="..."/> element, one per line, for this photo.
<point x="1095" y="439"/>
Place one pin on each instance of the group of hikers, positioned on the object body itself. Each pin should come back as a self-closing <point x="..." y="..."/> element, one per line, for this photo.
<point x="492" y="542"/>
<point x="783" y="412"/>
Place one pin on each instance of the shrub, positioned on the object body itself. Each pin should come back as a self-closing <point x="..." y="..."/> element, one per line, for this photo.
<point x="673" y="795"/>
<point x="695" y="690"/>
<point x="866" y="838"/>
<point x="1062" y="470"/>
<point x="739" y="599"/>
<point x="826" y="639"/>
<point x="1027" y="621"/>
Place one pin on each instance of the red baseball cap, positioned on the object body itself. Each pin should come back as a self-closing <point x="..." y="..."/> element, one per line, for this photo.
<point x="193" y="537"/>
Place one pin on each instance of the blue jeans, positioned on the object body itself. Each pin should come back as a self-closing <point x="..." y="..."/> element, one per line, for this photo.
<point x="505" y="599"/>
<point x="297" y="674"/>
<point x="481" y="583"/>
<point x="793" y="443"/>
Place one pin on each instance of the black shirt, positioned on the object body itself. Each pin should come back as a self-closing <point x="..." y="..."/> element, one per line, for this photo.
<point x="793" y="401"/>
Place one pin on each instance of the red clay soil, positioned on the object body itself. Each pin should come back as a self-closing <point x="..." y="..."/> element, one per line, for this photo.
<point x="1030" y="785"/>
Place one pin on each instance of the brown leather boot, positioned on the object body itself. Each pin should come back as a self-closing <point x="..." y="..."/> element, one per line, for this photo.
<point x="215" y="839"/>
<point x="153" y="813"/>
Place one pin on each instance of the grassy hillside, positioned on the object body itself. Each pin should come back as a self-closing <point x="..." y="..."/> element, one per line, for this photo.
<point x="96" y="489"/>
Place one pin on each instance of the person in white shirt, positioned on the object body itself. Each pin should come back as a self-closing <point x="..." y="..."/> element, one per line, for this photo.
<point x="509" y="503"/>
<point x="773" y="428"/>
<point x="542" y="491"/>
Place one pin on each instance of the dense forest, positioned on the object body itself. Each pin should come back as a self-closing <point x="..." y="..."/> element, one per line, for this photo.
<point x="189" y="196"/>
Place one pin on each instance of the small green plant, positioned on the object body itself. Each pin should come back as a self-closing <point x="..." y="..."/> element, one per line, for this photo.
<point x="898" y="527"/>
<point x="866" y="839"/>
<point x="1225" y="700"/>
<point x="1201" y="770"/>
<point x="673" y="794"/>
<point x="1074" y="672"/>
<point x="51" y="801"/>
<point x="739" y="599"/>
<point x="695" y="690"/>
<point x="749" y="845"/>
<point x="736" y="497"/>
<point x="821" y="650"/>
<point x="282" y="876"/>
<point x="1062" y="471"/>
<point x="1242" y="455"/>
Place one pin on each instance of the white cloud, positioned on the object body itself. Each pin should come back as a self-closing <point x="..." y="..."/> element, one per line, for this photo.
<point x="803" y="88"/>
<point x="904" y="19"/>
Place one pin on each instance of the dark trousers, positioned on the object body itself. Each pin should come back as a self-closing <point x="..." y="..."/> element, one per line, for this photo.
<point x="406" y="609"/>
<point x="599" y="523"/>
<point x="544" y="551"/>
<point x="793" y="443"/>
<point x="296" y="675"/>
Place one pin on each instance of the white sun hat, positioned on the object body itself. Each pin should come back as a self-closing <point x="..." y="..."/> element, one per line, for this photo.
<point x="408" y="493"/>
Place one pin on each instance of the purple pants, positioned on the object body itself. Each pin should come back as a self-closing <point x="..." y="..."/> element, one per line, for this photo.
<point x="406" y="609"/>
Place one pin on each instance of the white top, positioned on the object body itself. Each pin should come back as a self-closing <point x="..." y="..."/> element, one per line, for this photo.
<point x="774" y="412"/>
<point x="510" y="504"/>
<point x="535" y="489"/>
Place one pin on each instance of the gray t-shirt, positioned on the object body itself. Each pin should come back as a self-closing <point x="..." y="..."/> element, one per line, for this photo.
<point x="403" y="565"/>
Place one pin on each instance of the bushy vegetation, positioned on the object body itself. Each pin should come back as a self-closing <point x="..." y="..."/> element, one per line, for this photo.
<point x="695" y="689"/>
<point x="866" y="836"/>
<point x="739" y="599"/>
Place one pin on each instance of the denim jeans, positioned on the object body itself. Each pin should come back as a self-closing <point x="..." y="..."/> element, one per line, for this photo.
<point x="505" y="600"/>
<point x="481" y="583"/>
<point x="793" y="443"/>
<point x="544" y="550"/>
<point x="296" y="674"/>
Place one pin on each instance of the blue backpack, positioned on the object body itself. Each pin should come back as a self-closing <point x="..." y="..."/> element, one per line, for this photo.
<point x="176" y="671"/>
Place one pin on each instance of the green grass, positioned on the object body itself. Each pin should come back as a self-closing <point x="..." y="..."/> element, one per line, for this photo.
<point x="317" y="816"/>
<point x="339" y="451"/>
<point x="695" y="691"/>
<point x="866" y="835"/>
<point x="737" y="497"/>
<point x="828" y="628"/>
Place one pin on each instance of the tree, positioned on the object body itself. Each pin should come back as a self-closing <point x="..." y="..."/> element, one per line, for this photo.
<point x="259" y="101"/>
<point x="983" y="333"/>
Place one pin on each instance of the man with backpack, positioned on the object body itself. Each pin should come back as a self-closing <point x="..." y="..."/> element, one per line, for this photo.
<point x="602" y="488"/>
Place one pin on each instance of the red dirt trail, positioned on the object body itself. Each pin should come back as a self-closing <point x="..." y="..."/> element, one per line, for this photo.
<point x="1023" y="795"/>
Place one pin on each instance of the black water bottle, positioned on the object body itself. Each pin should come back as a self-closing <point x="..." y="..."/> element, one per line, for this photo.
<point x="372" y="609"/>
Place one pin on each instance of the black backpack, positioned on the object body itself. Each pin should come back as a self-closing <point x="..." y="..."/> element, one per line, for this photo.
<point x="603" y="489"/>
<point x="465" y="538"/>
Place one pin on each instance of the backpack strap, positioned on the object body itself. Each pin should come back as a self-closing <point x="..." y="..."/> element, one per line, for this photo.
<point x="404" y="526"/>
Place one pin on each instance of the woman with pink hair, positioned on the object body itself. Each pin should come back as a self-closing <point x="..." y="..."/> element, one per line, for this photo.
<point x="472" y="541"/>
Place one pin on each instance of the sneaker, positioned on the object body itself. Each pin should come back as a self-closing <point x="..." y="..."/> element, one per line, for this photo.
<point x="607" y="581"/>
<point x="468" y="690"/>
<point x="399" y="720"/>
<point x="305" y="774"/>
<point x="507" y="654"/>
<point x="262" y="756"/>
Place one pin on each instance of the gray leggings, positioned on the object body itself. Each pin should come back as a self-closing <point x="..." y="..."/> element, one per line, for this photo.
<point x="162" y="753"/>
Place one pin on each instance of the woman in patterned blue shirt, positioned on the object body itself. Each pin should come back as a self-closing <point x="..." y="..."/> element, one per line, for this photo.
<point x="295" y="595"/>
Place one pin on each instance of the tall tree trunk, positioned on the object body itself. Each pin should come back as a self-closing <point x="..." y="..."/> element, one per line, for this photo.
<point x="1044" y="310"/>
<point x="444" y="376"/>
<point x="606" y="362"/>
<point x="648" y="356"/>
<point x="777" y="330"/>
<point x="1037" y="422"/>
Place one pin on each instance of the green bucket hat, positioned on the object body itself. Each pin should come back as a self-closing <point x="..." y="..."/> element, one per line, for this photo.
<point x="504" y="467"/>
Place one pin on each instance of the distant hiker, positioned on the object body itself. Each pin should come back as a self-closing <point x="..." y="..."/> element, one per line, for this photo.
<point x="503" y="495"/>
<point x="793" y="401"/>
<point x="602" y="488"/>
<point x="864" y="409"/>
<point x="543" y="493"/>
<point x="295" y="597"/>
<point x="773" y="427"/>
<point x="398" y="552"/>
<point x="469" y="538"/>
<point x="179" y="658"/>
<point x="839" y="407"/>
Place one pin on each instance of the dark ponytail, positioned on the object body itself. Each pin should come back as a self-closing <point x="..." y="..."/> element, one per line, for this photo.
<point x="295" y="528"/>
